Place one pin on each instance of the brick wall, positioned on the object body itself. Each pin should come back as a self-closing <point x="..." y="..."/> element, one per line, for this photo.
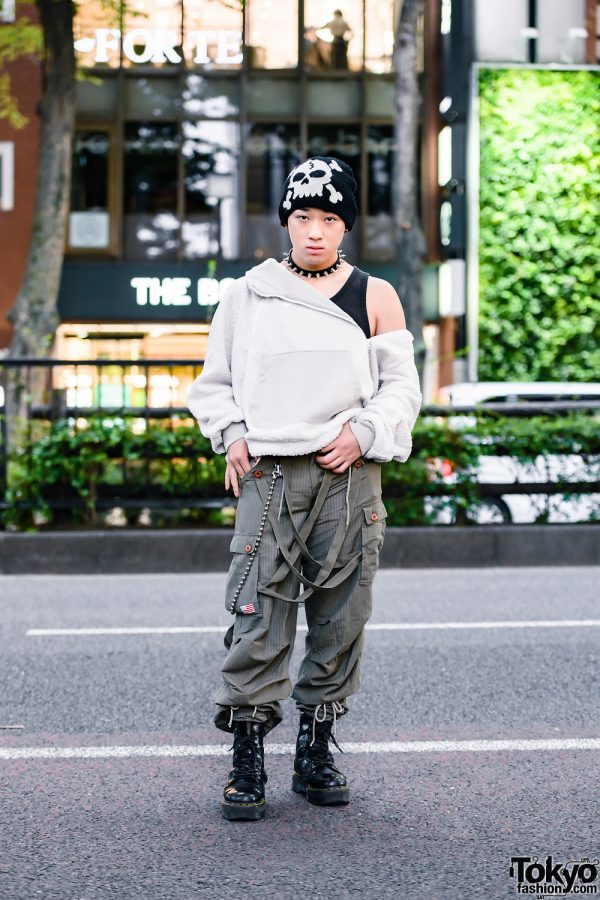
<point x="15" y="225"/>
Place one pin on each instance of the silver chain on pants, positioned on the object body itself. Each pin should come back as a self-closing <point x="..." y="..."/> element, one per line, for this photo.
<point x="275" y="475"/>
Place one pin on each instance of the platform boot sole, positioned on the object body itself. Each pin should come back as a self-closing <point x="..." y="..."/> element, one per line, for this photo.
<point x="243" y="811"/>
<point x="321" y="796"/>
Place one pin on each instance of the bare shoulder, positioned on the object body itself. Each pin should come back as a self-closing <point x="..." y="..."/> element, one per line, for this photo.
<point x="384" y="306"/>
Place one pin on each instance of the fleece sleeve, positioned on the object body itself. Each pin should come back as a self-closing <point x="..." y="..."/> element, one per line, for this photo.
<point x="393" y="409"/>
<point x="211" y="397"/>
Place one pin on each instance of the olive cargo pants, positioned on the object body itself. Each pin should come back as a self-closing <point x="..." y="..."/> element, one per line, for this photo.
<point x="322" y="534"/>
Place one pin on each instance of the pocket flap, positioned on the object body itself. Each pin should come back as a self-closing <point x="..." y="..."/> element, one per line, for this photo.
<point x="374" y="512"/>
<point x="241" y="541"/>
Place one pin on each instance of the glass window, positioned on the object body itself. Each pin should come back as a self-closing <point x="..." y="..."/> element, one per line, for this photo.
<point x="379" y="224"/>
<point x="210" y="98"/>
<point x="379" y="43"/>
<point x="7" y="10"/>
<point x="562" y="31"/>
<point x="269" y="96"/>
<point x="213" y="33"/>
<point x="343" y="142"/>
<point x="272" y="38"/>
<point x="501" y="38"/>
<point x="152" y="33"/>
<point x="89" y="220"/>
<point x="7" y="175"/>
<point x="97" y="35"/>
<point x="272" y="151"/>
<point x="212" y="186"/>
<point x="333" y="35"/>
<point x="152" y="98"/>
<point x="334" y="99"/>
<point x="380" y="97"/>
<point x="97" y="101"/>
<point x="151" y="225"/>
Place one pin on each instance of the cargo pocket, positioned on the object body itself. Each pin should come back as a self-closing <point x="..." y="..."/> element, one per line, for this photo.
<point x="247" y="602"/>
<point x="373" y="534"/>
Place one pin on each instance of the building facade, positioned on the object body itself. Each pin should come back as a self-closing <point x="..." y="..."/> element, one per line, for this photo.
<point x="188" y="119"/>
<point x="189" y="116"/>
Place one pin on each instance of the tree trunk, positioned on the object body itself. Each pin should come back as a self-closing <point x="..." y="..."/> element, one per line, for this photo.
<point x="34" y="314"/>
<point x="410" y="241"/>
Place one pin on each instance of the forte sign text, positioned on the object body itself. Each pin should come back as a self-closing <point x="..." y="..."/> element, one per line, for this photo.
<point x="152" y="45"/>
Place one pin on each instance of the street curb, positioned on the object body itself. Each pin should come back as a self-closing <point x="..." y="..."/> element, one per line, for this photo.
<point x="207" y="550"/>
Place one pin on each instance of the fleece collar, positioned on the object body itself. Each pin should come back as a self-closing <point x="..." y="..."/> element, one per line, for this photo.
<point x="270" y="279"/>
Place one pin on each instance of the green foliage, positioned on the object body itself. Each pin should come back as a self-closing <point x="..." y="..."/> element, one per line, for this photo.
<point x="26" y="38"/>
<point x="17" y="39"/>
<point x="116" y="460"/>
<point x="539" y="272"/>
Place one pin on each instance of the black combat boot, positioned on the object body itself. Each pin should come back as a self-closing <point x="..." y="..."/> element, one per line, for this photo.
<point x="244" y="794"/>
<point x="314" y="772"/>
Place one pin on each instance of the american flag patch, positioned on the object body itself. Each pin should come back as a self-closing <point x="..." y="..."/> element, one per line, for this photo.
<point x="247" y="608"/>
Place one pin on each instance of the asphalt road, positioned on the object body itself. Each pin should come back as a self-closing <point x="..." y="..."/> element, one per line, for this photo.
<point x="125" y="802"/>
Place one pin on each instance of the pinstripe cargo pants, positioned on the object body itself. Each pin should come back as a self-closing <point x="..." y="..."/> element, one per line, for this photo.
<point x="319" y="545"/>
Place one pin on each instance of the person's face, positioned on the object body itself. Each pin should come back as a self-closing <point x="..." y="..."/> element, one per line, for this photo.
<point x="316" y="235"/>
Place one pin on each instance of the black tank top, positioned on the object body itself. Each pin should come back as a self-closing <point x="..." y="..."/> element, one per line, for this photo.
<point x="352" y="298"/>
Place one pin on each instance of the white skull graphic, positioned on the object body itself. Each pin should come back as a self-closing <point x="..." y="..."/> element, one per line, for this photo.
<point x="308" y="180"/>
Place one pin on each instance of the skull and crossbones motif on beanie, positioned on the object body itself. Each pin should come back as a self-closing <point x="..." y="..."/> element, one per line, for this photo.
<point x="323" y="182"/>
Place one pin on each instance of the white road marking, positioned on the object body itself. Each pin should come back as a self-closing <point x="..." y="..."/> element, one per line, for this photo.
<point x="382" y="626"/>
<point x="200" y="750"/>
<point x="192" y="629"/>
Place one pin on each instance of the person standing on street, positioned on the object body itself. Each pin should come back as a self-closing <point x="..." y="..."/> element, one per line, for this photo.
<point x="308" y="386"/>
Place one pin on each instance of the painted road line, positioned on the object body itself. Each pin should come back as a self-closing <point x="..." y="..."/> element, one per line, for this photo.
<point x="382" y="626"/>
<point x="205" y="750"/>
<point x="192" y="629"/>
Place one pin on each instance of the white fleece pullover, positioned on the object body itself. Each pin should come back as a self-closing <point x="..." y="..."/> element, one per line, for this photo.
<point x="285" y="368"/>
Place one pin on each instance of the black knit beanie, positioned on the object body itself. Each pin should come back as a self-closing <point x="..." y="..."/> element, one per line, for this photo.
<point x="323" y="182"/>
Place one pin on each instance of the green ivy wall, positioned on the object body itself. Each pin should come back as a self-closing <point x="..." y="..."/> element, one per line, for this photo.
<point x="539" y="247"/>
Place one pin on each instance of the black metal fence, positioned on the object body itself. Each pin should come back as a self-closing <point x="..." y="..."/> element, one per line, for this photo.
<point x="55" y="389"/>
<point x="155" y="391"/>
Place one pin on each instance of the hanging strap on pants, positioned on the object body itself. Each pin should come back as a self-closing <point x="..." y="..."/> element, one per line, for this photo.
<point x="324" y="579"/>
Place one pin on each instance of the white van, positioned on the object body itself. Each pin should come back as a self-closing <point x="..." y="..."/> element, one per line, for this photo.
<point x="524" y="508"/>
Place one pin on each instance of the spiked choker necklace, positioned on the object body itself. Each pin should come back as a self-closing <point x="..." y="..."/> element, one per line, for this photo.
<point x="312" y="273"/>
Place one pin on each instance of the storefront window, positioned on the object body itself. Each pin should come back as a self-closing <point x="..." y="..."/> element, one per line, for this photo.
<point x="343" y="142"/>
<point x="379" y="43"/>
<point x="213" y="33"/>
<point x="379" y="225"/>
<point x="273" y="96"/>
<point x="152" y="33"/>
<point x="212" y="186"/>
<point x="149" y="32"/>
<point x="210" y="98"/>
<point x="178" y="158"/>
<point x="97" y="35"/>
<point x="153" y="97"/>
<point x="89" y="219"/>
<point x="271" y="152"/>
<point x="334" y="99"/>
<point x="151" y="225"/>
<point x="380" y="97"/>
<point x="333" y="35"/>
<point x="272" y="38"/>
<point x="97" y="100"/>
